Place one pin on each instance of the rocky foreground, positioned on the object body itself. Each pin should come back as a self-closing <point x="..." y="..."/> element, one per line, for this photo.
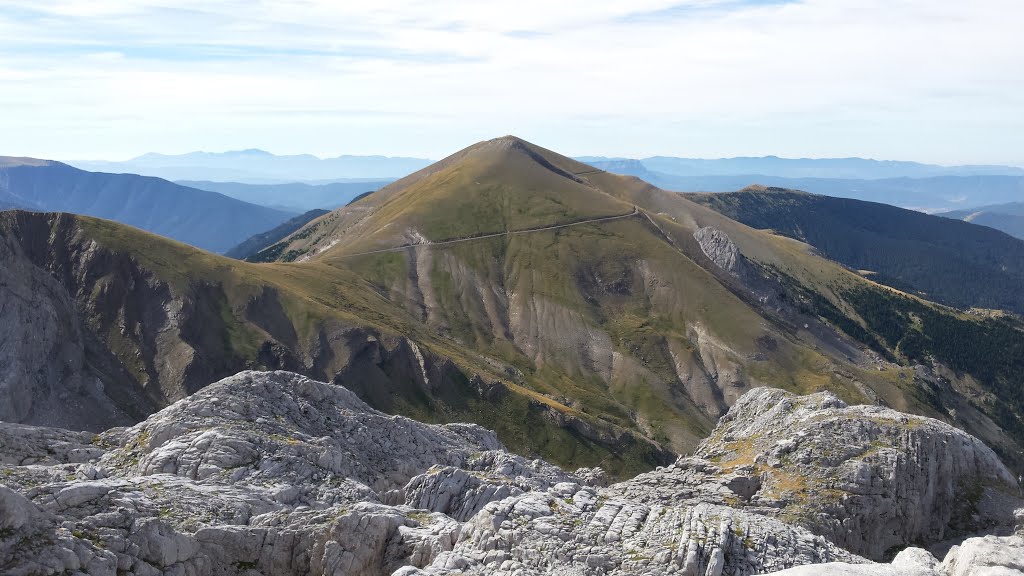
<point x="273" y="473"/>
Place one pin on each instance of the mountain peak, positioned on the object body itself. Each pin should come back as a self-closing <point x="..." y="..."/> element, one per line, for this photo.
<point x="507" y="142"/>
<point x="509" y="139"/>
<point x="771" y="189"/>
<point x="490" y="187"/>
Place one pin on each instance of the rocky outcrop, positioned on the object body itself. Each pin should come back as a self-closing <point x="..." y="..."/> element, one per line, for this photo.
<point x="33" y="542"/>
<point x="783" y="481"/>
<point x="273" y="473"/>
<point x="988" y="555"/>
<point x="578" y="530"/>
<point x="258" y="427"/>
<point x="270" y="472"/>
<point x="983" y="556"/>
<point x="717" y="246"/>
<point x="96" y="339"/>
<point x="46" y="351"/>
<point x="870" y="479"/>
<point x="30" y="445"/>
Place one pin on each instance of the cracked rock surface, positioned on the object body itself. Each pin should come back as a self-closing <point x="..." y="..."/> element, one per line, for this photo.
<point x="870" y="479"/>
<point x="268" y="473"/>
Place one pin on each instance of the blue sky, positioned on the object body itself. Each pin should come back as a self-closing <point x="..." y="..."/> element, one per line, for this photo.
<point x="929" y="80"/>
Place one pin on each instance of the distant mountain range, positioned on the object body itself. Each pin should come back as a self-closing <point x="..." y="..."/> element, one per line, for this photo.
<point x="294" y="196"/>
<point x="204" y="219"/>
<point x="305" y="182"/>
<point x="1006" y="217"/>
<point x="934" y="193"/>
<point x="843" y="168"/>
<point x="259" y="167"/>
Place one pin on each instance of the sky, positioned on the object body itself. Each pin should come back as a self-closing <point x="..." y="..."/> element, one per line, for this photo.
<point x="929" y="80"/>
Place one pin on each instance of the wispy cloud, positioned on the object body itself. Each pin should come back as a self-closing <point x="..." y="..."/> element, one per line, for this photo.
<point x="920" y="79"/>
<point x="696" y="9"/>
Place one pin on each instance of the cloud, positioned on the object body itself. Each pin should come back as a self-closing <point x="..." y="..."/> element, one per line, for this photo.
<point x="932" y="80"/>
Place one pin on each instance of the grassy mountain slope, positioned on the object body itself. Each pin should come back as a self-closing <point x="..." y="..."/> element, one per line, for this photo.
<point x="160" y="319"/>
<point x="1006" y="217"/>
<point x="205" y="219"/>
<point x="951" y="262"/>
<point x="586" y="340"/>
<point x="262" y="240"/>
<point x="490" y="187"/>
<point x="648" y="321"/>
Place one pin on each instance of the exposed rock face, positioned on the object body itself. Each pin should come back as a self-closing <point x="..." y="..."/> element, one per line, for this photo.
<point x="95" y="337"/>
<point x="870" y="479"/>
<point x="27" y="445"/>
<point x="71" y="304"/>
<point x="259" y="427"/>
<point x="719" y="248"/>
<point x="266" y="471"/>
<point x="577" y="530"/>
<point x="44" y="377"/>
<point x="874" y="479"/>
<point x="273" y="473"/>
<point x="985" y="556"/>
<point x="990" y="555"/>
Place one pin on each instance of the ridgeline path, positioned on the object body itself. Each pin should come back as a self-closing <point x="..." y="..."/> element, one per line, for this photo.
<point x="635" y="212"/>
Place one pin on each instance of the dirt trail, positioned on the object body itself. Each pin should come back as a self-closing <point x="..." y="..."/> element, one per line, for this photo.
<point x="635" y="212"/>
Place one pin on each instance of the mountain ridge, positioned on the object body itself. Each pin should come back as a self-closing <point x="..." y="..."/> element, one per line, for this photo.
<point x="155" y="320"/>
<point x="206" y="219"/>
<point x="293" y="196"/>
<point x="1008" y="217"/>
<point x="927" y="194"/>
<point x="262" y="240"/>
<point x="952" y="263"/>
<point x="592" y="275"/>
<point x="618" y="341"/>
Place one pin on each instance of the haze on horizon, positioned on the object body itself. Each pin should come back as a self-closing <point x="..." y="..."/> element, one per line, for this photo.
<point x="930" y="81"/>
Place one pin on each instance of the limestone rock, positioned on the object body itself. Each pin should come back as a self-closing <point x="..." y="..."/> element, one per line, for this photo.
<point x="283" y="427"/>
<point x="870" y="479"/>
<point x="25" y="445"/>
<point x="44" y="379"/>
<point x="274" y="474"/>
<point x="576" y="530"/>
<point x="717" y="246"/>
<point x="986" y="556"/>
<point x="983" y="556"/>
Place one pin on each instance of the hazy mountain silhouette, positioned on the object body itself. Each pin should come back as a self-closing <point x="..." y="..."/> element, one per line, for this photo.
<point x="204" y="219"/>
<point x="260" y="167"/>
